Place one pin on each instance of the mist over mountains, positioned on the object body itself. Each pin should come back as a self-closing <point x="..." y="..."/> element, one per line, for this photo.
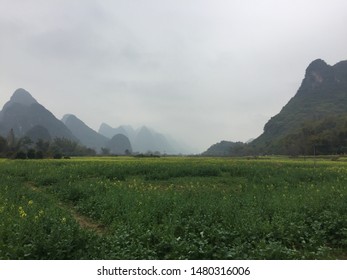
<point x="144" y="139"/>
<point x="25" y="117"/>
<point x="313" y="121"/>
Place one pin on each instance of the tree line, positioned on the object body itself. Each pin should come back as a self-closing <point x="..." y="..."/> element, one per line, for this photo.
<point x="325" y="136"/>
<point x="26" y="148"/>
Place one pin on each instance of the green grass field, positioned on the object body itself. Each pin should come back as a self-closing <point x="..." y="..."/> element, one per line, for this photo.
<point x="173" y="208"/>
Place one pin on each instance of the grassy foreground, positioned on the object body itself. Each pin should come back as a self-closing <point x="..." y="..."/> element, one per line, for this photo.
<point x="173" y="208"/>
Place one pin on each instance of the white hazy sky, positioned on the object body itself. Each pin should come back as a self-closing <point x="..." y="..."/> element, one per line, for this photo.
<point x="200" y="70"/>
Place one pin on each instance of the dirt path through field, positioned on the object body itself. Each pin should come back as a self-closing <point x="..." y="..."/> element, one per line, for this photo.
<point x="82" y="220"/>
<point x="86" y="223"/>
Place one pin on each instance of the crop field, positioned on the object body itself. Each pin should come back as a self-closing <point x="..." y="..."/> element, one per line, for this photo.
<point x="173" y="208"/>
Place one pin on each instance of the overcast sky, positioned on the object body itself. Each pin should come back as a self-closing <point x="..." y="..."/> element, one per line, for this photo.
<point x="200" y="70"/>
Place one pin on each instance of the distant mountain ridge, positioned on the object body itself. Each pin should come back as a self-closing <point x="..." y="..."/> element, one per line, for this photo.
<point x="25" y="117"/>
<point x="118" y="144"/>
<point x="144" y="139"/>
<point x="109" y="131"/>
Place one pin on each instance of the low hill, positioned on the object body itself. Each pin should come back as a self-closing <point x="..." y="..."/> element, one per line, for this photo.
<point x="224" y="148"/>
<point x="119" y="145"/>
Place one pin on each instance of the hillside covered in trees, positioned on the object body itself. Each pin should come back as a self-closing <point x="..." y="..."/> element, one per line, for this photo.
<point x="314" y="121"/>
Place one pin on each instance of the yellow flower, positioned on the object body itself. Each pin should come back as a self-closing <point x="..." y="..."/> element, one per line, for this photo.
<point x="30" y="202"/>
<point x="21" y="211"/>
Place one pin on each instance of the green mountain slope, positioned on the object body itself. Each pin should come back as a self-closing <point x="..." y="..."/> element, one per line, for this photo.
<point x="321" y="96"/>
<point x="315" y="119"/>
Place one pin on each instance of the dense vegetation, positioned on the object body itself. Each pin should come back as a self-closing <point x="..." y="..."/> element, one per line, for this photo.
<point x="321" y="136"/>
<point x="173" y="208"/>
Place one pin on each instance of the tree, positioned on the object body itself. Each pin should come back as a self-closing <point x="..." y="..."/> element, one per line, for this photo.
<point x="64" y="146"/>
<point x="31" y="154"/>
<point x="24" y="143"/>
<point x="105" y="151"/>
<point x="10" y="139"/>
<point x="42" y="147"/>
<point x="3" y="146"/>
<point x="20" y="155"/>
